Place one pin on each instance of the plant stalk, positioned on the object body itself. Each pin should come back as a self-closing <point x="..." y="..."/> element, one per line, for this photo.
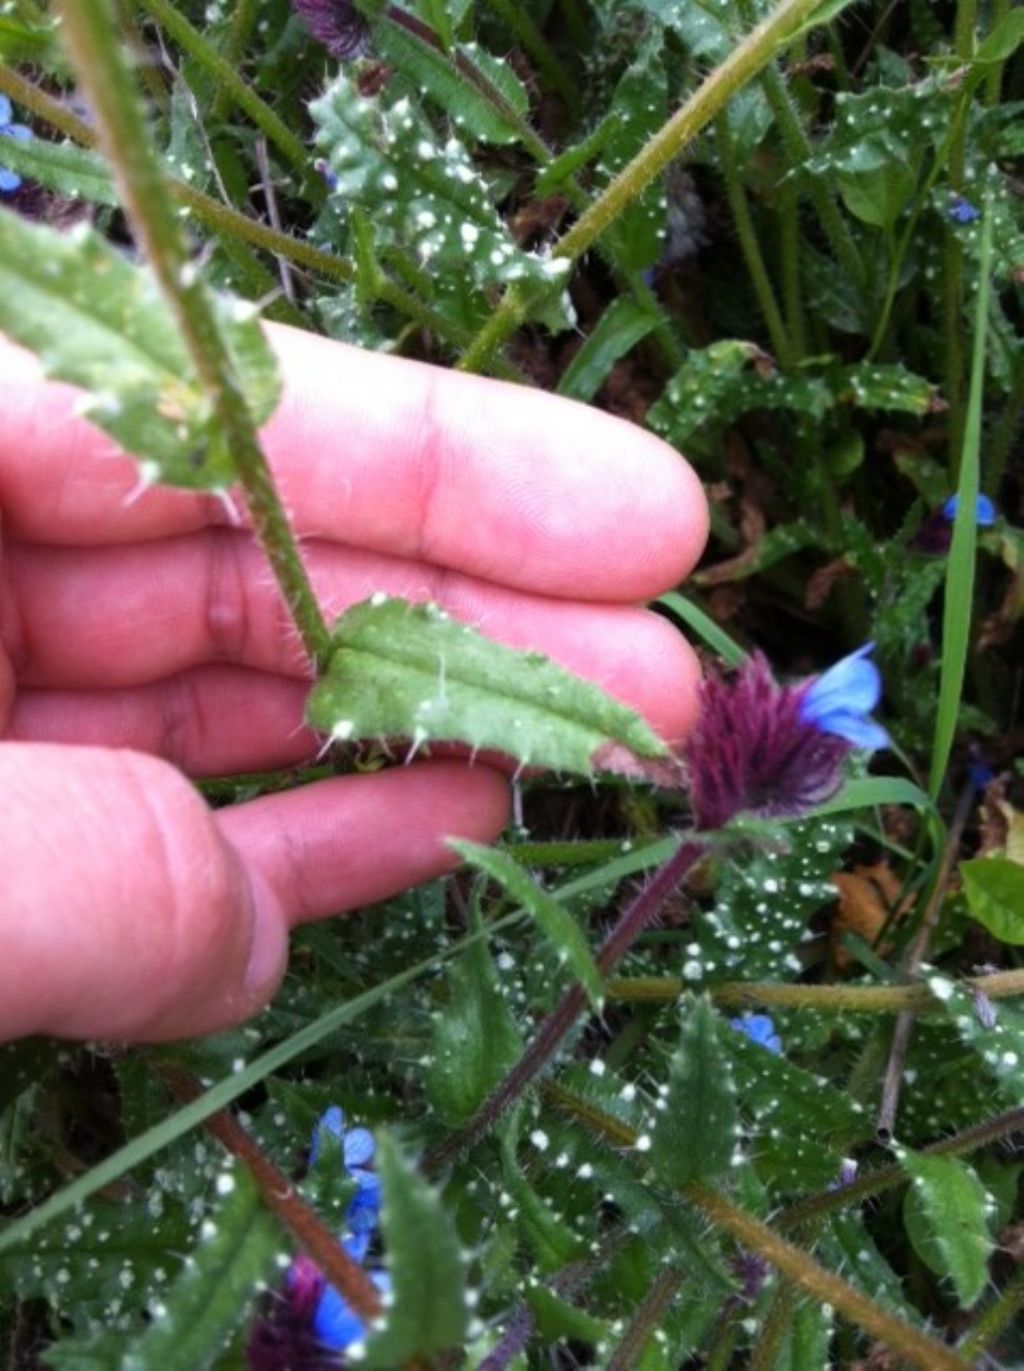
<point x="93" y="44"/>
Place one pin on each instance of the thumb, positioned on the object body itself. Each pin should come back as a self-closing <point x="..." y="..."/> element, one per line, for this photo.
<point x="126" y="912"/>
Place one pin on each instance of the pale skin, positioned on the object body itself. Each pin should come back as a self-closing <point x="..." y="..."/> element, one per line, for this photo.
<point x="142" y="641"/>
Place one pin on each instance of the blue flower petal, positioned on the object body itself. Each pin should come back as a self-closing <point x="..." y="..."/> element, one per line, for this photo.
<point x="760" y="1029"/>
<point x="364" y="1208"/>
<point x="856" y="728"/>
<point x="17" y="131"/>
<point x="335" y="1324"/>
<point x="5" y="110"/>
<point x="984" y="510"/>
<point x="359" y="1147"/>
<point x="9" y="180"/>
<point x="853" y="683"/>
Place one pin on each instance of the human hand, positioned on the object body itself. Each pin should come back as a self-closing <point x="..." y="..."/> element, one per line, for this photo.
<point x="143" y="638"/>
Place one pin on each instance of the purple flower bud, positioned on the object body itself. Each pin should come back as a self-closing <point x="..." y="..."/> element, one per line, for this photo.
<point x="337" y="24"/>
<point x="774" y="750"/>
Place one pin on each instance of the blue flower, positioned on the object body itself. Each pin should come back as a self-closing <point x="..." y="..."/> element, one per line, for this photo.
<point x="10" y="180"/>
<point x="357" y="1149"/>
<point x="984" y="510"/>
<point x="841" y="699"/>
<point x="335" y="1324"/>
<point x="760" y="1029"/>
<point x="962" y="211"/>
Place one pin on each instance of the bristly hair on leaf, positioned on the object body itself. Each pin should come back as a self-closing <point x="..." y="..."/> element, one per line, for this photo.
<point x="337" y="24"/>
<point x="775" y="751"/>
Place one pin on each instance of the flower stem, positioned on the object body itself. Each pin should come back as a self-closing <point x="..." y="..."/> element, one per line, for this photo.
<point x="1001" y="1315"/>
<point x="226" y="76"/>
<point x="243" y="21"/>
<point x="553" y="1029"/>
<point x="648" y="1316"/>
<point x="795" y="1264"/>
<point x="856" y="999"/>
<point x="822" y="1285"/>
<point x="747" y="59"/>
<point x="749" y="244"/>
<point x="279" y="1195"/>
<point x="92" y="40"/>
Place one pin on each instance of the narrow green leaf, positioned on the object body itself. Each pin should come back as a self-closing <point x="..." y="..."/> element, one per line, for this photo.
<point x="695" y="1134"/>
<point x="1004" y="40"/>
<point x="475" y="1039"/>
<point x="429" y="1312"/>
<point x="554" y="920"/>
<point x="212" y="1295"/>
<point x="63" y="167"/>
<point x="494" y="118"/>
<point x="994" y="887"/>
<point x="99" y="322"/>
<point x="867" y="792"/>
<point x="409" y="671"/>
<point x="713" y="634"/>
<point x="959" y="599"/>
<point x="623" y="324"/>
<point x="954" y="1240"/>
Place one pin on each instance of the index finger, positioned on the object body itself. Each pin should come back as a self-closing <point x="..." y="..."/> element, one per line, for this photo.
<point x="498" y="481"/>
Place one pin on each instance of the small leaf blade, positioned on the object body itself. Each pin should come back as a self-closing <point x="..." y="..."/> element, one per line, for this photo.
<point x="695" y="1133"/>
<point x="955" y="1206"/>
<point x="429" y="1313"/>
<point x="994" y="887"/>
<point x="409" y="671"/>
<point x="554" y="920"/>
<point x="212" y="1294"/>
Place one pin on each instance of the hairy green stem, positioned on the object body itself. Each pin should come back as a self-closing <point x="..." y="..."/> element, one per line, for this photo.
<point x="227" y="78"/>
<point x="740" y="67"/>
<point x="822" y="1285"/>
<point x="749" y="243"/>
<point x="243" y="21"/>
<point x="856" y="999"/>
<point x="791" y="1261"/>
<point x="775" y="1326"/>
<point x="647" y="1317"/>
<point x="93" y="44"/>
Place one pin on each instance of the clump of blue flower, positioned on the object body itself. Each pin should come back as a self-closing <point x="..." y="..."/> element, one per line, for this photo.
<point x="335" y="1324"/>
<point x="310" y="1322"/>
<point x="760" y="1029"/>
<point x="10" y="180"/>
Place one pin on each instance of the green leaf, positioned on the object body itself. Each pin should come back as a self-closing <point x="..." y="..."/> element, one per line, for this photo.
<point x="409" y="671"/>
<point x="554" y="920"/>
<point x="100" y="323"/>
<point x="808" y="1340"/>
<point x="695" y="1134"/>
<point x="713" y="634"/>
<point x="640" y="108"/>
<point x="1004" y="40"/>
<point x="212" y="1295"/>
<point x="424" y="192"/>
<point x="994" y="887"/>
<point x="19" y="43"/>
<point x="889" y="386"/>
<point x="954" y="1240"/>
<point x="623" y="324"/>
<point x="429" y="1313"/>
<point x="62" y="167"/>
<point x="494" y="113"/>
<point x="474" y="1041"/>
<point x="878" y="196"/>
